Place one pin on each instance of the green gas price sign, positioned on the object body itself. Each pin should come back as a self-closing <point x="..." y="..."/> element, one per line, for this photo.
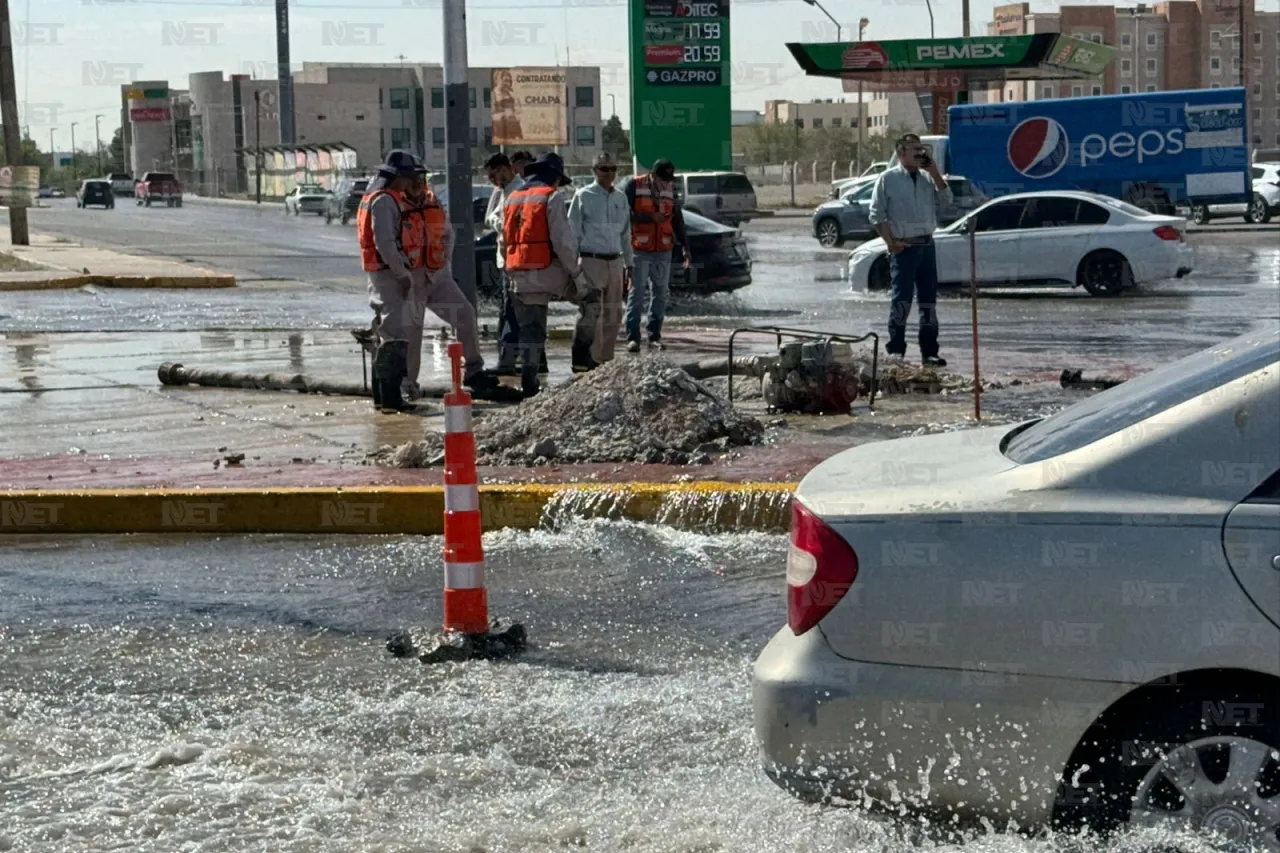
<point x="680" y="84"/>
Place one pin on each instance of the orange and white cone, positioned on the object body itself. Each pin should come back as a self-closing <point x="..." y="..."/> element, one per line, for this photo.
<point x="466" y="601"/>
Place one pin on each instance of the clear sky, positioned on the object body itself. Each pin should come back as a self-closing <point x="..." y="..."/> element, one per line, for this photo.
<point x="71" y="56"/>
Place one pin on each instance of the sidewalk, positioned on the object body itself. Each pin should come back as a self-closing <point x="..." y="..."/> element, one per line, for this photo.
<point x="65" y="265"/>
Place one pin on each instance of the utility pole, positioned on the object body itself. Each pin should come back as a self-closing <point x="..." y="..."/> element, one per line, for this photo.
<point x="1240" y="6"/>
<point x="97" y="133"/>
<point x="283" y="74"/>
<point x="457" y="140"/>
<point x="18" y="234"/>
<point x="862" y="109"/>
<point x="73" y="149"/>
<point x="257" y="139"/>
<point x="53" y="156"/>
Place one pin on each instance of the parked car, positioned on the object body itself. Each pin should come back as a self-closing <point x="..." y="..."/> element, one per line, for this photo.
<point x="849" y="218"/>
<point x="44" y="192"/>
<point x="307" y="198"/>
<point x="720" y="260"/>
<point x="840" y="186"/>
<point x="59" y="192"/>
<point x="1070" y="621"/>
<point x="1077" y="239"/>
<point x="1264" y="205"/>
<point x="95" y="191"/>
<point x="121" y="183"/>
<point x="726" y="197"/>
<point x="156" y="187"/>
<point x="344" y="202"/>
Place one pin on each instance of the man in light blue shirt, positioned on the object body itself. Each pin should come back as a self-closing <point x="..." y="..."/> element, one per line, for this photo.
<point x="904" y="213"/>
<point x="600" y="217"/>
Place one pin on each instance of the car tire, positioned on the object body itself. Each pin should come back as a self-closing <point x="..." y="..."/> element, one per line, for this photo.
<point x="1131" y="772"/>
<point x="1200" y="214"/>
<point x="1259" y="212"/>
<point x="878" y="277"/>
<point x="1105" y="273"/>
<point x="829" y="236"/>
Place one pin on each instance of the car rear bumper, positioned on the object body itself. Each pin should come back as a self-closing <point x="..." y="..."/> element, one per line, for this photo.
<point x="973" y="744"/>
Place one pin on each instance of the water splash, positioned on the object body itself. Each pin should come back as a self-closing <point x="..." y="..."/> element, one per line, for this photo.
<point x="698" y="507"/>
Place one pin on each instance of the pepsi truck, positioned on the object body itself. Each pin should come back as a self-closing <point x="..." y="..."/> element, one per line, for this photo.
<point x="1156" y="150"/>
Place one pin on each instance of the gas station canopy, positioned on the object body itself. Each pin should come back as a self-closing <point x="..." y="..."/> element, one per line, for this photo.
<point x="913" y="65"/>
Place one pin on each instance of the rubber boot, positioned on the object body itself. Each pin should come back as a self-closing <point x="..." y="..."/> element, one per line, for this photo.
<point x="582" y="360"/>
<point x="390" y="366"/>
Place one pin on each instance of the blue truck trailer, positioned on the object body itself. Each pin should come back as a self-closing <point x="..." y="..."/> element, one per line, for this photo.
<point x="1157" y="150"/>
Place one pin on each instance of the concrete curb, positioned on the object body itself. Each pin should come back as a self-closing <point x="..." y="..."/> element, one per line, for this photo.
<point x="700" y="506"/>
<point x="71" y="282"/>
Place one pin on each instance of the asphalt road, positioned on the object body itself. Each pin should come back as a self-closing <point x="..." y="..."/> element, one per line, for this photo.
<point x="299" y="274"/>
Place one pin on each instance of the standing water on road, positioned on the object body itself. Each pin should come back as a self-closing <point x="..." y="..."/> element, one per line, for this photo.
<point x="233" y="694"/>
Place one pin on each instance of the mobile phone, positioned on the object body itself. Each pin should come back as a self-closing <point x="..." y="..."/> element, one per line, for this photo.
<point x="924" y="157"/>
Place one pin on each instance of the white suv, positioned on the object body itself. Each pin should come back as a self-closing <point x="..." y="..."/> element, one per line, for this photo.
<point x="1264" y="204"/>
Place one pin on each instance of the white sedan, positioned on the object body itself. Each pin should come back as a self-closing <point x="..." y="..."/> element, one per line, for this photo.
<point x="1072" y="622"/>
<point x="307" y="198"/>
<point x="1057" y="238"/>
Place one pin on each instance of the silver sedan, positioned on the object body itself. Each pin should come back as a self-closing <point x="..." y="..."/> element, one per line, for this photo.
<point x="1072" y="622"/>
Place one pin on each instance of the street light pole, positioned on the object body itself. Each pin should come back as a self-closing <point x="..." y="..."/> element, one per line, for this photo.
<point x="457" y="137"/>
<point x="613" y="106"/>
<point x="815" y="4"/>
<point x="257" y="139"/>
<point x="73" y="149"/>
<point x="97" y="133"/>
<point x="53" y="156"/>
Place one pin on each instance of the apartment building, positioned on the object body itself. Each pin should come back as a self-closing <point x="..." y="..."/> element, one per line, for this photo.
<point x="371" y="108"/>
<point x="1179" y="44"/>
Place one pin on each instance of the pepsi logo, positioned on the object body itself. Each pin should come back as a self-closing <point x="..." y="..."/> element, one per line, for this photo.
<point x="1038" y="147"/>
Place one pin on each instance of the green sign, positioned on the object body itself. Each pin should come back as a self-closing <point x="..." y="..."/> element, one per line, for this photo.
<point x="910" y="61"/>
<point x="680" y="83"/>
<point x="155" y="93"/>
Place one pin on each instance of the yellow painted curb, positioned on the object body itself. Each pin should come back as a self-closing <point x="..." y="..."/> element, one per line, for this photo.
<point x="703" y="506"/>
<point x="71" y="282"/>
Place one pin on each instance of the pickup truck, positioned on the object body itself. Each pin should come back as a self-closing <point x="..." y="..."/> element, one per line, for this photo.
<point x="158" y="187"/>
<point x="121" y="183"/>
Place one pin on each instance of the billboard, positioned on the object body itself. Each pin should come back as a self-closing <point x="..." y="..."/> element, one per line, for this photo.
<point x="530" y="106"/>
<point x="138" y="114"/>
<point x="680" y="83"/>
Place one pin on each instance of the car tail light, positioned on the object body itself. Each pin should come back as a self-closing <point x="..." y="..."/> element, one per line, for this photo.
<point x="1168" y="232"/>
<point x="820" y="569"/>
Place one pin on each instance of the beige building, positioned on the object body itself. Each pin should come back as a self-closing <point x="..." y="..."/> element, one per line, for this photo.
<point x="372" y="108"/>
<point x="884" y="110"/>
<point x="1179" y="44"/>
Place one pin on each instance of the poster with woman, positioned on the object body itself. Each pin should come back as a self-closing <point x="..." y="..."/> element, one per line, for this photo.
<point x="529" y="106"/>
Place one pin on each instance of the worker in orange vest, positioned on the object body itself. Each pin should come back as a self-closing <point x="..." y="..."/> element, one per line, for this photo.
<point x="541" y="260"/>
<point x="404" y="245"/>
<point x="657" y="226"/>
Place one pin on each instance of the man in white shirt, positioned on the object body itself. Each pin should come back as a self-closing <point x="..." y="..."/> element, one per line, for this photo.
<point x="507" y="176"/>
<point x="601" y="220"/>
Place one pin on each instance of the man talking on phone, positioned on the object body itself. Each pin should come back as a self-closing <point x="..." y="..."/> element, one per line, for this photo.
<point x="904" y="213"/>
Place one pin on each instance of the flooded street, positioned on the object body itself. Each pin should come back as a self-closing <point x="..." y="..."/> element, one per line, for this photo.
<point x="234" y="695"/>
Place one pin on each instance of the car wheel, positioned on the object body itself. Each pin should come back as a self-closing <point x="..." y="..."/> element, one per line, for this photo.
<point x="1200" y="214"/>
<point x="1258" y="210"/>
<point x="1209" y="764"/>
<point x="1105" y="273"/>
<point x="829" y="236"/>
<point x="879" y="277"/>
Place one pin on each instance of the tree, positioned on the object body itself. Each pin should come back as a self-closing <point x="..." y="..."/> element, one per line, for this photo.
<point x="615" y="141"/>
<point x="116" y="161"/>
<point x="31" y="155"/>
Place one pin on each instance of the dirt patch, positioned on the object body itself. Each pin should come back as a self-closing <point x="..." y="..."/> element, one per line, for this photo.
<point x="10" y="263"/>
<point x="629" y="410"/>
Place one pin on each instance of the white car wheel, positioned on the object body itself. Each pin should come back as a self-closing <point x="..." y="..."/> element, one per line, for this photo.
<point x="1200" y="214"/>
<point x="1258" y="211"/>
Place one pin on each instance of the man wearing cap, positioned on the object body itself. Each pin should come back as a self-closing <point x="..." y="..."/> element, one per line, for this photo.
<point x="656" y="226"/>
<point x="507" y="176"/>
<point x="601" y="221"/>
<point x="402" y="242"/>
<point x="541" y="260"/>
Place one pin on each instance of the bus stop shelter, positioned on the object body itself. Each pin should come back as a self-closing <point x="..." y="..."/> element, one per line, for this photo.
<point x="948" y="69"/>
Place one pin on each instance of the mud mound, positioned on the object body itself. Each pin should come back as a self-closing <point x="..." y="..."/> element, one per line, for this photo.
<point x="628" y="410"/>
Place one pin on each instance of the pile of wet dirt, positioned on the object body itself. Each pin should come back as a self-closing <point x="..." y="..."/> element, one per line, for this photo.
<point x="628" y="410"/>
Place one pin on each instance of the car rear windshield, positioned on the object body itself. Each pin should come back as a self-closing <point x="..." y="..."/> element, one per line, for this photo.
<point x="160" y="176"/>
<point x="119" y="176"/>
<point x="1131" y="209"/>
<point x="1132" y="402"/>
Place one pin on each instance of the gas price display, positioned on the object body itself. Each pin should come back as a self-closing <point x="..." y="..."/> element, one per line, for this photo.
<point x="680" y="82"/>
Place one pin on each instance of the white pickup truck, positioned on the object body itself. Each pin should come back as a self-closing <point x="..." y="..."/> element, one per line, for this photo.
<point x="121" y="183"/>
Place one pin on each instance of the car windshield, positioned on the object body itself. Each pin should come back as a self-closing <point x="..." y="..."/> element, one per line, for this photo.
<point x="310" y="188"/>
<point x="1132" y="402"/>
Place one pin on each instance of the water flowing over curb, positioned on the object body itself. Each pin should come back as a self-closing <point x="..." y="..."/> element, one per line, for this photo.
<point x="698" y="506"/>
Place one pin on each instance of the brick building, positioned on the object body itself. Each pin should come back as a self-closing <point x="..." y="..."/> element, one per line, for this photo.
<point x="1180" y="44"/>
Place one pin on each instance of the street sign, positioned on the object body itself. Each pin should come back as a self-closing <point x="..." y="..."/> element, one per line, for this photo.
<point x="680" y="83"/>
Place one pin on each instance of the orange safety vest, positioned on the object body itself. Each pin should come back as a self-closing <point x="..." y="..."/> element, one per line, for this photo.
<point x="526" y="234"/>
<point x="422" y="231"/>
<point x="650" y="236"/>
